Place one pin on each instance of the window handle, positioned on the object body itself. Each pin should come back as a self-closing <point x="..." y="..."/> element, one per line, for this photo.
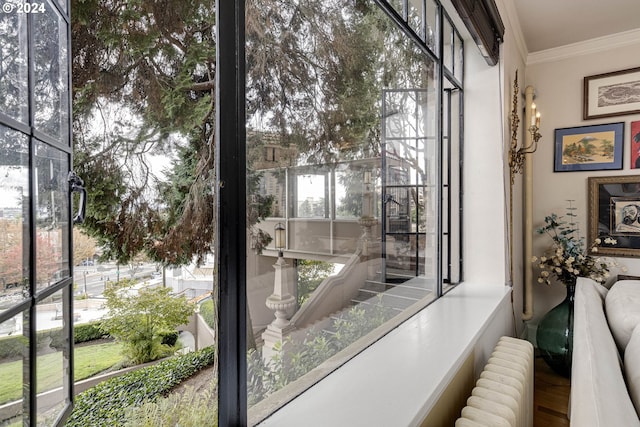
<point x="390" y="198"/>
<point x="76" y="185"/>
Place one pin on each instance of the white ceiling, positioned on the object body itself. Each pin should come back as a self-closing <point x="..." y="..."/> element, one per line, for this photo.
<point x="547" y="24"/>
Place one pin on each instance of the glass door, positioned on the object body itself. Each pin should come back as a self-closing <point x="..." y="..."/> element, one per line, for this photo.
<point x="35" y="214"/>
<point x="408" y="185"/>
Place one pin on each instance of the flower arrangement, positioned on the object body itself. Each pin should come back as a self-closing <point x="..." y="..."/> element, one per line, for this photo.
<point x="569" y="258"/>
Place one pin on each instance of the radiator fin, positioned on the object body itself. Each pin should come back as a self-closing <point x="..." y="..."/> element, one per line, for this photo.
<point x="503" y="395"/>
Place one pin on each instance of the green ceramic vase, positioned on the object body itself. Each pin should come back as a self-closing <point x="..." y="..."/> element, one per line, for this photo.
<point x="554" y="336"/>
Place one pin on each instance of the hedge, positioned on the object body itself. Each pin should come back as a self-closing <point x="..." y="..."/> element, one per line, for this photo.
<point x="12" y="346"/>
<point x="88" y="332"/>
<point x="207" y="311"/>
<point x="106" y="404"/>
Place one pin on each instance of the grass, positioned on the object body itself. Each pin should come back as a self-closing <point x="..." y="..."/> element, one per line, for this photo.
<point x="89" y="360"/>
<point x="92" y="359"/>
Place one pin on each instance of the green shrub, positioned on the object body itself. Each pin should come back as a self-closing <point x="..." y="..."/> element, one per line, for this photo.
<point x="207" y="311"/>
<point x="140" y="320"/>
<point x="310" y="275"/>
<point x="295" y="359"/>
<point x="190" y="409"/>
<point x="12" y="346"/>
<point x="88" y="332"/>
<point x="107" y="403"/>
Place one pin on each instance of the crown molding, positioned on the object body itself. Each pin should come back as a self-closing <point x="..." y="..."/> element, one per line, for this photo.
<point x="600" y="44"/>
<point x="514" y="26"/>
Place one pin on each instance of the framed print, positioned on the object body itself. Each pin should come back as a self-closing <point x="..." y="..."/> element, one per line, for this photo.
<point x="611" y="94"/>
<point x="589" y="148"/>
<point x="635" y="145"/>
<point x="614" y="211"/>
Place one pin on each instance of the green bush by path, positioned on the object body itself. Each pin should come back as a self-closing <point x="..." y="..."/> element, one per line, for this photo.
<point x="107" y="403"/>
<point x="142" y="320"/>
<point x="88" y="332"/>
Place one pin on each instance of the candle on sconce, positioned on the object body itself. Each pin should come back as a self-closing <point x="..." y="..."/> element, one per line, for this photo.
<point x="538" y="119"/>
<point x="533" y="114"/>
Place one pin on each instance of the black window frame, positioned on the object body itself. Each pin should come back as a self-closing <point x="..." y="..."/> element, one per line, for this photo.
<point x="27" y="307"/>
<point x="231" y="212"/>
<point x="231" y="183"/>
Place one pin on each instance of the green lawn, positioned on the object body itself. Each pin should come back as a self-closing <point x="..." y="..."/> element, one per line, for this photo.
<point x="89" y="360"/>
<point x="92" y="359"/>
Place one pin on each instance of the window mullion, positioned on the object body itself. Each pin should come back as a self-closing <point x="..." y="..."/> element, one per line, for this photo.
<point x="231" y="213"/>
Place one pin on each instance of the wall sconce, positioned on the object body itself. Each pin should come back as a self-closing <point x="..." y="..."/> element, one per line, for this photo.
<point x="517" y="155"/>
<point x="519" y="162"/>
<point x="280" y="236"/>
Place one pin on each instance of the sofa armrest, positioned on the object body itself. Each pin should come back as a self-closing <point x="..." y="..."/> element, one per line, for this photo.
<point x="599" y="395"/>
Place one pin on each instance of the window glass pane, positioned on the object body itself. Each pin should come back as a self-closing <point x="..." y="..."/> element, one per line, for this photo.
<point x="401" y="114"/>
<point x="410" y="143"/>
<point x="13" y="63"/>
<point x="272" y="185"/>
<point x="458" y="53"/>
<point x="398" y="6"/>
<point x="62" y="4"/>
<point x="52" y="362"/>
<point x="357" y="90"/>
<point x="408" y="253"/>
<point x="430" y="244"/>
<point x="14" y="217"/>
<point x="431" y="38"/>
<point x="447" y="45"/>
<point x="310" y="195"/>
<point x="52" y="215"/>
<point x="350" y="190"/>
<point x="51" y="85"/>
<point x="145" y="148"/>
<point x="415" y="17"/>
<point x="13" y="350"/>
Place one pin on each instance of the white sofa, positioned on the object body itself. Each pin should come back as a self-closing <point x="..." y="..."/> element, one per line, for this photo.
<point x="605" y="373"/>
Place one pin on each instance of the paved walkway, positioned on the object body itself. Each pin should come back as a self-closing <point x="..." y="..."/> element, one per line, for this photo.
<point x="49" y="316"/>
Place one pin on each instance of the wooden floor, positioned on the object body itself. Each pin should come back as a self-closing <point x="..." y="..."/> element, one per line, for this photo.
<point x="551" y="398"/>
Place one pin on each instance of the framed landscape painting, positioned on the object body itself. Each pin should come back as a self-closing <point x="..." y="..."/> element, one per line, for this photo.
<point x="589" y="148"/>
<point x="612" y="94"/>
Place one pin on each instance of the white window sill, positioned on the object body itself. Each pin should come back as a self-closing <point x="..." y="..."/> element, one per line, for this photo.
<point x="397" y="380"/>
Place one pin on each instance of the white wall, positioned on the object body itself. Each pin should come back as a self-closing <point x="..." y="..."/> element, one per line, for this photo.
<point x="488" y="102"/>
<point x="484" y="201"/>
<point x="513" y="59"/>
<point x="559" y="83"/>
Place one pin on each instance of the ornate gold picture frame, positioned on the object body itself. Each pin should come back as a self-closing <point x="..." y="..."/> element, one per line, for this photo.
<point x="614" y="211"/>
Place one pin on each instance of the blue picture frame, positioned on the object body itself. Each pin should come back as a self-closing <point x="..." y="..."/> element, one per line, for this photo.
<point x="589" y="148"/>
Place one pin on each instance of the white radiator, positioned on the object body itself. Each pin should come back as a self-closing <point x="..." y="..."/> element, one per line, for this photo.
<point x="503" y="395"/>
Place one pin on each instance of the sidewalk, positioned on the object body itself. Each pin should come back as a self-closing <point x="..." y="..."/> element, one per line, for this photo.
<point x="49" y="316"/>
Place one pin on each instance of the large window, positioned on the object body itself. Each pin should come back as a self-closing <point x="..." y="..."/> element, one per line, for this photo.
<point x="35" y="214"/>
<point x="340" y="215"/>
<point x="364" y="98"/>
